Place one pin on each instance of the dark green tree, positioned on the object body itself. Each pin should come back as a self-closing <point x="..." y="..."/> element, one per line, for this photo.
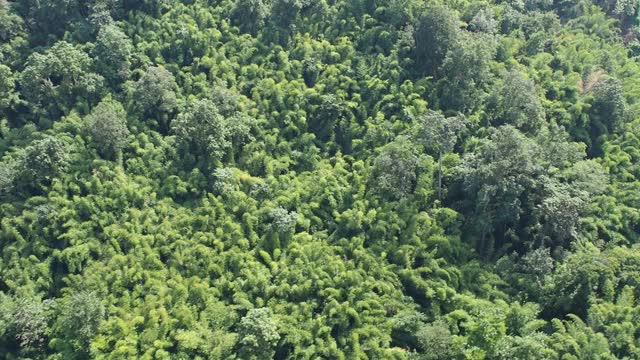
<point x="154" y="95"/>
<point x="282" y="220"/>
<point x="251" y="15"/>
<point x="497" y="180"/>
<point x="395" y="170"/>
<point x="202" y="132"/>
<point x="436" y="342"/>
<point x="439" y="134"/>
<point x="107" y="124"/>
<point x="43" y="161"/>
<point x="31" y="320"/>
<point x="466" y="72"/>
<point x="484" y="21"/>
<point x="11" y="24"/>
<point x="258" y="335"/>
<point x="59" y="79"/>
<point x="8" y="94"/>
<point x="323" y="121"/>
<point x="607" y="111"/>
<point x="112" y="54"/>
<point x="79" y="317"/>
<point x="514" y="101"/>
<point x="436" y="32"/>
<point x="7" y="177"/>
<point x="50" y="18"/>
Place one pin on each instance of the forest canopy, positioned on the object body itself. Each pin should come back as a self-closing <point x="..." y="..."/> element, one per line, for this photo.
<point x="320" y="179"/>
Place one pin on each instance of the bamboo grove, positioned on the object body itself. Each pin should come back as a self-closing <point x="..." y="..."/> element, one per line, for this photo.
<point x="319" y="179"/>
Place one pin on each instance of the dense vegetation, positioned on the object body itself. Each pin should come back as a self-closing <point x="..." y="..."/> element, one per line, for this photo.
<point x="319" y="179"/>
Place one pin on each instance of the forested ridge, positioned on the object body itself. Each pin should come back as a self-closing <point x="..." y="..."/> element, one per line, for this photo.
<point x="319" y="179"/>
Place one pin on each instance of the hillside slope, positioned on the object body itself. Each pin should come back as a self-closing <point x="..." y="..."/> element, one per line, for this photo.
<point x="319" y="179"/>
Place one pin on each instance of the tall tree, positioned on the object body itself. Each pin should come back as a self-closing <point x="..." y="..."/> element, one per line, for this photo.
<point x="57" y="80"/>
<point x="251" y="15"/>
<point x="497" y="180"/>
<point x="112" y="54"/>
<point x="107" y="124"/>
<point x="436" y="33"/>
<point x="50" y="18"/>
<point x="440" y="134"/>
<point x="395" y="170"/>
<point x="466" y="72"/>
<point x="154" y="95"/>
<point x="258" y="334"/>
<point x="203" y="132"/>
<point x="42" y="162"/>
<point x="11" y="24"/>
<point x="8" y="94"/>
<point x="514" y="101"/>
<point x="79" y="317"/>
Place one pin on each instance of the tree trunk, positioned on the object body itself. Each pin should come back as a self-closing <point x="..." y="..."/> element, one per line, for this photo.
<point x="440" y="175"/>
